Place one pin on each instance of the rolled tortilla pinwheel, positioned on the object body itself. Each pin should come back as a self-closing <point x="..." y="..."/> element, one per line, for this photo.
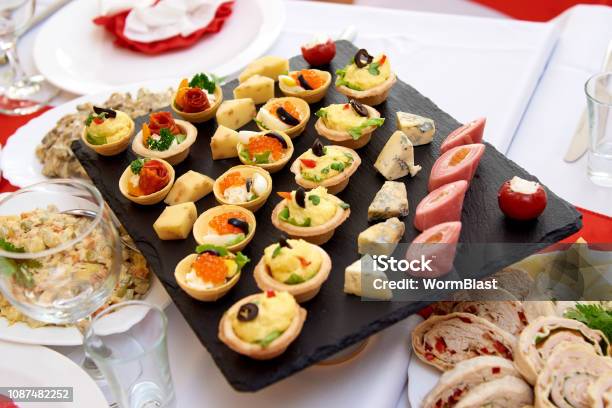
<point x="600" y="392"/>
<point x="456" y="383"/>
<point x="444" y="341"/>
<point x="503" y="392"/>
<point x="543" y="335"/>
<point x="569" y="371"/>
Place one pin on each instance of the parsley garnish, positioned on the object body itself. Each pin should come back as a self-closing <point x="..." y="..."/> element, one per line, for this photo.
<point x="136" y="166"/>
<point x="165" y="140"/>
<point x="203" y="81"/>
<point x="594" y="316"/>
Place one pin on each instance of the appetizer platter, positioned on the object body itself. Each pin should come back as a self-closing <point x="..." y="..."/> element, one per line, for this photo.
<point x="237" y="231"/>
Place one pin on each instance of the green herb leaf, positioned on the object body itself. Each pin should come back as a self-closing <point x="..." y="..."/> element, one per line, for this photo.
<point x="594" y="316"/>
<point x="373" y="68"/>
<point x="315" y="199"/>
<point x="241" y="260"/>
<point x="136" y="166"/>
<point x="294" y="279"/>
<point x="321" y="113"/>
<point x="206" y="247"/>
<point x="276" y="251"/>
<point x="203" y="81"/>
<point x="269" y="338"/>
<point x="9" y="247"/>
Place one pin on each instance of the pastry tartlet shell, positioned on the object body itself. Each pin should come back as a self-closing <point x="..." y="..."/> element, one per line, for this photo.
<point x="173" y="158"/>
<point x="245" y="170"/>
<point x="302" y="292"/>
<point x="204" y="295"/>
<point x="315" y="235"/>
<point x="111" y="149"/>
<point x="301" y="105"/>
<point x="149" y="199"/>
<point x="373" y="96"/>
<point x="277" y="165"/>
<point x="343" y="138"/>
<point x="313" y="95"/>
<point x="205" y="115"/>
<point x="335" y="184"/>
<point x="201" y="225"/>
<point x="255" y="351"/>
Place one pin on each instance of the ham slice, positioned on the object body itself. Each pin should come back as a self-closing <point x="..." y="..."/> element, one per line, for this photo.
<point x="438" y="242"/>
<point x="600" y="392"/>
<point x="458" y="382"/>
<point x="542" y="336"/>
<point x="458" y="163"/>
<point x="507" y="392"/>
<point x="467" y="134"/>
<point x="567" y="375"/>
<point x="444" y="204"/>
<point x="445" y="341"/>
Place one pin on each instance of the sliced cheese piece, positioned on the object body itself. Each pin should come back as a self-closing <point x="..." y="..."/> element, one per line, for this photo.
<point x="176" y="221"/>
<point x="223" y="143"/>
<point x="268" y="66"/>
<point x="191" y="186"/>
<point x="396" y="159"/>
<point x="390" y="201"/>
<point x="259" y="88"/>
<point x="381" y="238"/>
<point x="236" y="113"/>
<point x="420" y="130"/>
<point x="360" y="279"/>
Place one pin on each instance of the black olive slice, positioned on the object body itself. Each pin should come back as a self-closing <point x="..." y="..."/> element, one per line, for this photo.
<point x="249" y="184"/>
<point x="278" y="137"/>
<point x="300" y="197"/>
<point x="362" y="58"/>
<point x="359" y="108"/>
<point x="240" y="224"/>
<point x="109" y="112"/>
<point x="247" y="312"/>
<point x="286" y="117"/>
<point x="303" y="83"/>
<point x="318" y="149"/>
<point x="283" y="242"/>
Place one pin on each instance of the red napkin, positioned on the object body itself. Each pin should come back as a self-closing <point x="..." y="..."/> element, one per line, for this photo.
<point x="116" y="23"/>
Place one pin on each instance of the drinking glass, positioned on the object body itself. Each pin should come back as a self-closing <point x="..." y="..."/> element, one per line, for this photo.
<point x="598" y="91"/>
<point x="20" y="93"/>
<point x="127" y="341"/>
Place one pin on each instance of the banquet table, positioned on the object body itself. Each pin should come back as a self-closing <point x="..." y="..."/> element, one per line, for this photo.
<point x="527" y="78"/>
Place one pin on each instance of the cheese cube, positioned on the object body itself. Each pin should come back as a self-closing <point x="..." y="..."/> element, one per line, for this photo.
<point x="236" y="113"/>
<point x="420" y="130"/>
<point x="223" y="143"/>
<point x="259" y="88"/>
<point x="268" y="66"/>
<point x="381" y="238"/>
<point x="396" y="159"/>
<point x="390" y="201"/>
<point x="191" y="186"/>
<point x="175" y="221"/>
<point x="360" y="277"/>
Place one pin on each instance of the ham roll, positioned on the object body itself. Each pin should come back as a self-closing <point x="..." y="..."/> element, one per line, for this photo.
<point x="600" y="392"/>
<point x="456" y="383"/>
<point x="506" y="392"/>
<point x="444" y="341"/>
<point x="543" y="335"/>
<point x="508" y="315"/>
<point x="569" y="372"/>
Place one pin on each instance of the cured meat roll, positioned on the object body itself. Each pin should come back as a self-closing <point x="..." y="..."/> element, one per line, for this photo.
<point x="506" y="392"/>
<point x="543" y="335"/>
<point x="456" y="383"/>
<point x="600" y="392"/>
<point x="508" y="315"/>
<point x="569" y="372"/>
<point x="444" y="341"/>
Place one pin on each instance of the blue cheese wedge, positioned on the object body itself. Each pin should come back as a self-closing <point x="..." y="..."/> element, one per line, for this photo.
<point x="390" y="201"/>
<point x="396" y="159"/>
<point x="420" y="130"/>
<point x="360" y="279"/>
<point x="381" y="238"/>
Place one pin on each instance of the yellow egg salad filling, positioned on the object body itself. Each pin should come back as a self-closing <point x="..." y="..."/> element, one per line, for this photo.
<point x="367" y="77"/>
<point x="344" y="118"/>
<point x="102" y="129"/>
<point x="310" y="209"/>
<point x="266" y="318"/>
<point x="332" y="162"/>
<point x="292" y="261"/>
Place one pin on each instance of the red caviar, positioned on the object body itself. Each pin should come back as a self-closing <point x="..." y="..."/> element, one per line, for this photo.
<point x="210" y="268"/>
<point x="230" y="180"/>
<point x="219" y="223"/>
<point x="261" y="144"/>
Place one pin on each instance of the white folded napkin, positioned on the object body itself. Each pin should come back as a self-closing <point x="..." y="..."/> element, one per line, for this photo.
<point x="169" y="18"/>
<point x="111" y="7"/>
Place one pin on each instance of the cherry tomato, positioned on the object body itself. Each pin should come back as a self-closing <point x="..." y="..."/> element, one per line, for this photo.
<point x="521" y="199"/>
<point x="319" y="53"/>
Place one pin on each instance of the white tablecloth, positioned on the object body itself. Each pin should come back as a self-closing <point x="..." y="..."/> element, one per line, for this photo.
<point x="470" y="67"/>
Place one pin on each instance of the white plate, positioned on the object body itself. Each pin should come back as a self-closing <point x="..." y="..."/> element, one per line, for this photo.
<point x="35" y="366"/>
<point x="80" y="57"/>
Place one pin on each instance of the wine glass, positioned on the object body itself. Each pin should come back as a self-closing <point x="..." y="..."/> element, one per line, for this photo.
<point x="55" y="266"/>
<point x="20" y="93"/>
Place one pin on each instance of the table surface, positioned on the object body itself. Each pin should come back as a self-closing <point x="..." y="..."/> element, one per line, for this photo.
<point x="534" y="127"/>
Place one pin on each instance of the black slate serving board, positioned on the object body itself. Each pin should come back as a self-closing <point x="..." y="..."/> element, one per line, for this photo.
<point x="335" y="320"/>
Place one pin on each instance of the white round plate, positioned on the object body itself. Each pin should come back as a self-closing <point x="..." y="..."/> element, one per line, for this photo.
<point x="35" y="366"/>
<point x="80" y="57"/>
